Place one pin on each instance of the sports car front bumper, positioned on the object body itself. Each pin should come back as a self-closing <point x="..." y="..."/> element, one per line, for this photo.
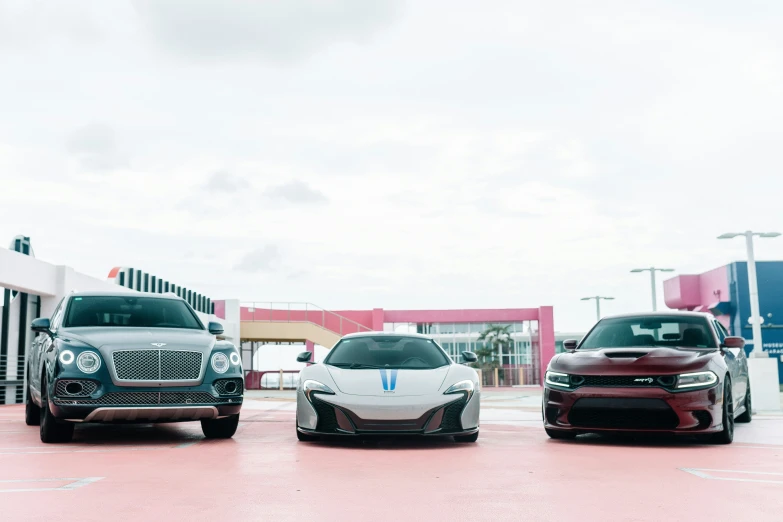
<point x="592" y="409"/>
<point x="355" y="415"/>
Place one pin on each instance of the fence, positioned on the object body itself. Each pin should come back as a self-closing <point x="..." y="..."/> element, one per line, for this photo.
<point x="271" y="380"/>
<point x="300" y="313"/>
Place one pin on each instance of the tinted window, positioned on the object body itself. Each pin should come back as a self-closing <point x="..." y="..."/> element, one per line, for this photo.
<point x="387" y="352"/>
<point x="627" y="332"/>
<point x="142" y="312"/>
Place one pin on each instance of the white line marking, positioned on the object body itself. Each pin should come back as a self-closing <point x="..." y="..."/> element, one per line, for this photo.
<point x="699" y="472"/>
<point x="73" y="483"/>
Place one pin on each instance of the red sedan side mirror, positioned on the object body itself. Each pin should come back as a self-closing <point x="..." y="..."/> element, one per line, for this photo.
<point x="733" y="342"/>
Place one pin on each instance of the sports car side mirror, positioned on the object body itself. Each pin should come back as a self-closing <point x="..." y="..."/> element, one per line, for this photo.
<point x="215" y="328"/>
<point x="733" y="341"/>
<point x="41" y="325"/>
<point x="469" y="357"/>
<point x="570" y="345"/>
<point x="304" y="357"/>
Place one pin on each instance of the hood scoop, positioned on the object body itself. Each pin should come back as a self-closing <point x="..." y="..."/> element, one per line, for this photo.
<point x="613" y="354"/>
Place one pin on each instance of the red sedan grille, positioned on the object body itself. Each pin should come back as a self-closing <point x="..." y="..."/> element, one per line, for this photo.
<point x="617" y="413"/>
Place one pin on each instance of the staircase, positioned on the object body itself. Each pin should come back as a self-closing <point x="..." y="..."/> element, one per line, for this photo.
<point x="294" y="322"/>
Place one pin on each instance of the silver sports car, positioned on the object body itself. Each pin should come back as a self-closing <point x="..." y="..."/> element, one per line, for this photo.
<point x="382" y="383"/>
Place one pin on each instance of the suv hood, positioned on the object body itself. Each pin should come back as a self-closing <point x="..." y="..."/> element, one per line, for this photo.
<point x="385" y="383"/>
<point x="139" y="338"/>
<point x="633" y="361"/>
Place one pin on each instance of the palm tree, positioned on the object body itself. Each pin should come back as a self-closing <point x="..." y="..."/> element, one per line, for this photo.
<point x="496" y="341"/>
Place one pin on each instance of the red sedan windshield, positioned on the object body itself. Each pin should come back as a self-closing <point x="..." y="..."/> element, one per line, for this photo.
<point x="626" y="332"/>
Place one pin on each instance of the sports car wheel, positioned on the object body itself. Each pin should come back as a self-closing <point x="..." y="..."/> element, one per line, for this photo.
<point x="727" y="435"/>
<point x="559" y="434"/>
<point x="32" y="413"/>
<point x="466" y="438"/>
<point x="304" y="437"/>
<point x="747" y="415"/>
<point x="52" y="430"/>
<point x="220" y="428"/>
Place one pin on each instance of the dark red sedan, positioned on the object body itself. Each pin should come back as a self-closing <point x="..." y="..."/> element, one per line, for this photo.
<point x="674" y="372"/>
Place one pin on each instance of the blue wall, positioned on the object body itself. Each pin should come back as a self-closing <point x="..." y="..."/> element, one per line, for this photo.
<point x="770" y="282"/>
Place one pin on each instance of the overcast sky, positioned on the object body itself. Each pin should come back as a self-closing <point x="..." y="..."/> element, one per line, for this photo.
<point x="419" y="154"/>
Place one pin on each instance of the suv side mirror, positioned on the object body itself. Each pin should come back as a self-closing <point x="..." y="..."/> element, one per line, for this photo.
<point x="733" y="341"/>
<point x="570" y="345"/>
<point x="469" y="357"/>
<point x="215" y="328"/>
<point x="41" y="325"/>
<point x="304" y="357"/>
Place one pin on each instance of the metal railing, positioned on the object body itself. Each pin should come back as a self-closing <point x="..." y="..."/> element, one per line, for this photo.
<point x="294" y="312"/>
<point x="11" y="389"/>
<point x="271" y="379"/>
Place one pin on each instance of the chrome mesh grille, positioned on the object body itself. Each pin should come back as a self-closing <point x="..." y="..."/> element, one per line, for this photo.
<point x="157" y="365"/>
<point x="88" y="388"/>
<point x="221" y="386"/>
<point x="146" y="399"/>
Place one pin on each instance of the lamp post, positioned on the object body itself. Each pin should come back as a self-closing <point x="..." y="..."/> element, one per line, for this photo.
<point x="755" y="316"/>
<point x="598" y="304"/>
<point x="652" y="271"/>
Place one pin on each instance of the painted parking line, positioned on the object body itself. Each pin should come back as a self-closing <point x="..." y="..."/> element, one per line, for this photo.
<point x="736" y="475"/>
<point x="70" y="484"/>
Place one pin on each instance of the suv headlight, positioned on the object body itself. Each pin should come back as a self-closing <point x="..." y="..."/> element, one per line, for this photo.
<point x="234" y="357"/>
<point x="696" y="380"/>
<point x="467" y="387"/>
<point x="66" y="357"/>
<point x="88" y="362"/>
<point x="560" y="380"/>
<point x="220" y="362"/>
<point x="309" y="387"/>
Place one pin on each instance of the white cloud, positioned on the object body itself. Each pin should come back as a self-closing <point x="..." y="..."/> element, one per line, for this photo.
<point x="515" y="155"/>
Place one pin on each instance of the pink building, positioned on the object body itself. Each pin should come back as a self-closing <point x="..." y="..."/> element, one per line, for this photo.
<point x="532" y="330"/>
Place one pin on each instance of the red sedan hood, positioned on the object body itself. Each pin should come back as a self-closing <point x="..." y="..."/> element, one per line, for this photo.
<point x="632" y="361"/>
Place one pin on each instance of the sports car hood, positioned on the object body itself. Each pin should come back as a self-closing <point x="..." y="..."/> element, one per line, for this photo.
<point x="632" y="361"/>
<point x="399" y="383"/>
<point x="139" y="338"/>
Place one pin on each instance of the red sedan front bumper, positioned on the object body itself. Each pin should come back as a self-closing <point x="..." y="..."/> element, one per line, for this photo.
<point x="591" y="409"/>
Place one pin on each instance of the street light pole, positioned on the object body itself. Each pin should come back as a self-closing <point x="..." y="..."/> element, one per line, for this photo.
<point x="597" y="304"/>
<point x="755" y="315"/>
<point x="652" y="271"/>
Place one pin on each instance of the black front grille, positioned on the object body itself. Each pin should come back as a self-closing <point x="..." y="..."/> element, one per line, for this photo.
<point x="62" y="389"/>
<point x="452" y="417"/>
<point x="617" y="413"/>
<point x="704" y="418"/>
<point x="145" y="399"/>
<point x="222" y="386"/>
<point x="327" y="420"/>
<point x="624" y="381"/>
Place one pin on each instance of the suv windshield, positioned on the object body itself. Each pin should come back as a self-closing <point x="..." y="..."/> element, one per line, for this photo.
<point x="385" y="351"/>
<point x="142" y="312"/>
<point x="627" y="332"/>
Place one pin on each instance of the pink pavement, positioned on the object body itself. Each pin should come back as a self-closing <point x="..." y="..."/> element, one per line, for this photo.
<point x="514" y="473"/>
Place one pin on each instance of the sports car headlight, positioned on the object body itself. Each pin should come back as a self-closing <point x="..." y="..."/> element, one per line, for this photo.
<point x="562" y="380"/>
<point x="465" y="387"/>
<point x="309" y="387"/>
<point x="696" y="380"/>
<point x="220" y="362"/>
<point x="88" y="362"/>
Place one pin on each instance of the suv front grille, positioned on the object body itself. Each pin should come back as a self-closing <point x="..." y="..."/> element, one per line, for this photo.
<point x="157" y="365"/>
<point x="223" y="386"/>
<point x="146" y="399"/>
<point x="77" y="388"/>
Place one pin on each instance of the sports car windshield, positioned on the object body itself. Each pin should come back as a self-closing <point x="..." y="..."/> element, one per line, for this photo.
<point x="387" y="352"/>
<point x="628" y="332"/>
<point x="142" y="312"/>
